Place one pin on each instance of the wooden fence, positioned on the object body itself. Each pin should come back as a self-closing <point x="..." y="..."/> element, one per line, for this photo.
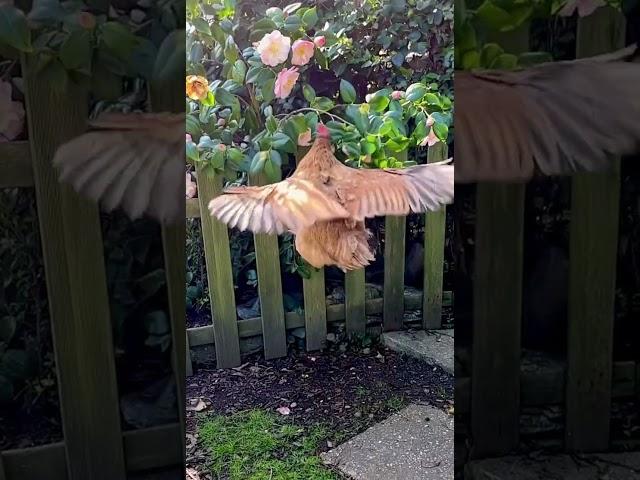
<point x="497" y="388"/>
<point x="94" y="445"/>
<point x="226" y="330"/>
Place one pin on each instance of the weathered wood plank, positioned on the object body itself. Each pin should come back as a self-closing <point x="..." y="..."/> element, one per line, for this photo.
<point x="394" y="254"/>
<point x="497" y="293"/>
<point x="166" y="97"/>
<point x="267" y="249"/>
<point x="193" y="208"/>
<point x="36" y="463"/>
<point x="77" y="290"/>
<point x="188" y="362"/>
<point x="434" y="238"/>
<point x="315" y="310"/>
<point x="154" y="447"/>
<point x="592" y="273"/>
<point x="219" y="276"/>
<point x="145" y="449"/>
<point x="15" y="165"/>
<point x="354" y="292"/>
<point x="251" y="327"/>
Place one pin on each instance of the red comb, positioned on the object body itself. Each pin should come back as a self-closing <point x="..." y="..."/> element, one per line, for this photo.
<point x="323" y="131"/>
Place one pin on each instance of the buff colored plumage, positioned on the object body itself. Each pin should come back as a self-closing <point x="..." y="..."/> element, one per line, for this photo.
<point x="324" y="203"/>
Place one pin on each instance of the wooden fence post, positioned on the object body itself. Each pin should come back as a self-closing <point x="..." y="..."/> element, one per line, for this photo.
<point x="215" y="236"/>
<point x="434" y="237"/>
<point x="76" y="285"/>
<point x="354" y="302"/>
<point x="497" y="309"/>
<point x="592" y="273"/>
<point x="274" y="331"/>
<point x="315" y="304"/>
<point x="394" y="253"/>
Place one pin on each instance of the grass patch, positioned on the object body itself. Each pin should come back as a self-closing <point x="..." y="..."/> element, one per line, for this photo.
<point x="258" y="445"/>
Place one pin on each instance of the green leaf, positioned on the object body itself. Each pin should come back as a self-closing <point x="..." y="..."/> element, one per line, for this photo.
<point x="272" y="166"/>
<point x="347" y="92"/>
<point x="292" y="23"/>
<point x="267" y="90"/>
<point x="310" y="17"/>
<point x="76" y="52"/>
<point x="46" y="12"/>
<point x="352" y="150"/>
<point x="506" y="61"/>
<point x="323" y="103"/>
<point x="282" y="142"/>
<point x="380" y="100"/>
<point x="118" y="39"/>
<point x="489" y="53"/>
<point x="192" y="152"/>
<point x="359" y="118"/>
<point x="223" y="97"/>
<point x="320" y="58"/>
<point x="272" y="124"/>
<point x="201" y="25"/>
<point x="308" y="92"/>
<point x="432" y="99"/>
<point x="239" y="71"/>
<point x="14" y="30"/>
<point x="441" y="131"/>
<point x="289" y="9"/>
<point x="416" y="92"/>
<point x="258" y="162"/>
<point x="470" y="60"/>
<point x="209" y="100"/>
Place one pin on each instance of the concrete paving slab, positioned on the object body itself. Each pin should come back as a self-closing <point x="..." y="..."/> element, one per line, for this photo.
<point x="413" y="444"/>
<point x="434" y="346"/>
<point x="605" y="466"/>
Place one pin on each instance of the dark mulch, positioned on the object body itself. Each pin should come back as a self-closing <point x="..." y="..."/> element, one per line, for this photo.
<point x="347" y="392"/>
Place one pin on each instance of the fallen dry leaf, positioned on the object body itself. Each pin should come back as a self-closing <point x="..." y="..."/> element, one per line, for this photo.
<point x="283" y="410"/>
<point x="198" y="407"/>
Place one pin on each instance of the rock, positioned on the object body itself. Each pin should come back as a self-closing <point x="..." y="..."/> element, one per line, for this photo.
<point x="331" y="337"/>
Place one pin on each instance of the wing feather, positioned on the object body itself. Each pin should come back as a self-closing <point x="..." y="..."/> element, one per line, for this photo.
<point x="369" y="193"/>
<point x="560" y="118"/>
<point x="134" y="161"/>
<point x="289" y="205"/>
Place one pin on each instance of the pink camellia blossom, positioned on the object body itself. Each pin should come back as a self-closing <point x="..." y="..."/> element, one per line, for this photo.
<point x="430" y="140"/>
<point x="191" y="187"/>
<point x="11" y="114"/>
<point x="304" y="139"/>
<point x="320" y="41"/>
<point x="285" y="82"/>
<point x="584" y="7"/>
<point x="274" y="48"/>
<point x="302" y="52"/>
<point x="188" y="138"/>
<point x="430" y="121"/>
<point x="397" y="95"/>
<point x="222" y="147"/>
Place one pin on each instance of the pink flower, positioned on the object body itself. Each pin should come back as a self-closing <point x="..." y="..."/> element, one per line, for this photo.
<point x="222" y="147"/>
<point x="285" y="82"/>
<point x="274" y="48"/>
<point x="430" y="121"/>
<point x="584" y="7"/>
<point x="430" y="139"/>
<point x="188" y="138"/>
<point x="191" y="187"/>
<point x="302" y="52"/>
<point x="11" y="114"/>
<point x="221" y="122"/>
<point x="320" y="41"/>
<point x="87" y="20"/>
<point x="304" y="139"/>
<point x="397" y="95"/>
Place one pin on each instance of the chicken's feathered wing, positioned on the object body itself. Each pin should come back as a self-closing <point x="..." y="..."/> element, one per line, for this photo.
<point x="134" y="161"/>
<point x="371" y="193"/>
<point x="289" y="205"/>
<point x="558" y="118"/>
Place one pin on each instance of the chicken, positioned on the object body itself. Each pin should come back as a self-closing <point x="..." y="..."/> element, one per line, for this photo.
<point x="555" y="118"/>
<point x="324" y="203"/>
<point x="134" y="161"/>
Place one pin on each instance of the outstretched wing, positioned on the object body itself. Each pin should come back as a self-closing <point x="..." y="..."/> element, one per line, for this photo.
<point x="558" y="118"/>
<point x="133" y="161"/>
<point x="289" y="205"/>
<point x="370" y="193"/>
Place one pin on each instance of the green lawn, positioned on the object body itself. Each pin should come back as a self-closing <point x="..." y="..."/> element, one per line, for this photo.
<point x="258" y="445"/>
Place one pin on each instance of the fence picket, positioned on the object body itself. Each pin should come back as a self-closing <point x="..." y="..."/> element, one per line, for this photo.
<point x="355" y="295"/>
<point x="592" y="273"/>
<point x="274" y="332"/>
<point x="76" y="285"/>
<point x="219" y="275"/>
<point x="495" y="385"/>
<point x="315" y="309"/>
<point x="434" y="238"/>
<point x="15" y="165"/>
<point x="394" y="253"/>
